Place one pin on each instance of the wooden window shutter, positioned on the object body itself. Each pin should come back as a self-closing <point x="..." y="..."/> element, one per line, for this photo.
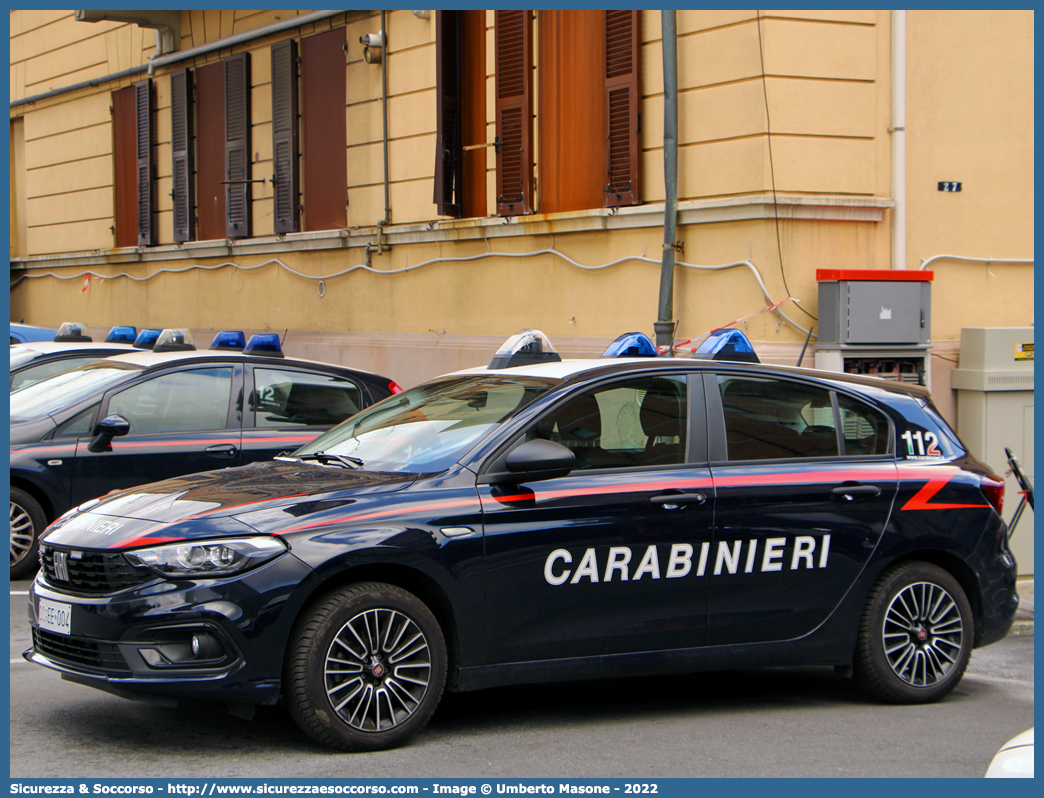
<point x="124" y="172"/>
<point x="143" y="146"/>
<point x="284" y="135"/>
<point x="324" y="132"/>
<point x="237" y="146"/>
<point x="449" y="89"/>
<point x="181" y="139"/>
<point x="623" y="97"/>
<point x="210" y="151"/>
<point x="514" y="59"/>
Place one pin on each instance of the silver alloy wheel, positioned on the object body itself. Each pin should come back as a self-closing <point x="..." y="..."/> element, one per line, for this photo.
<point x="21" y="533"/>
<point x="923" y="634"/>
<point x="377" y="670"/>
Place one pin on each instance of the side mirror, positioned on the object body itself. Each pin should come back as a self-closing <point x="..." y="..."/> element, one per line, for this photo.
<point x="105" y="430"/>
<point x="536" y="460"/>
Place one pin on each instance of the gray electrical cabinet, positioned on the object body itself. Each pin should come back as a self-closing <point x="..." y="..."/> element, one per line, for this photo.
<point x="876" y="322"/>
<point x="874" y="307"/>
<point x="994" y="385"/>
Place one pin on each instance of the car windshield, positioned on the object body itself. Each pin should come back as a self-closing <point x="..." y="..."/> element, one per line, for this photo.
<point x="64" y="390"/>
<point x="428" y="428"/>
<point x="20" y="355"/>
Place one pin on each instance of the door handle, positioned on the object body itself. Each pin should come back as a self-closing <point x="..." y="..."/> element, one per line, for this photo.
<point x="850" y="492"/>
<point x="672" y="501"/>
<point x="457" y="531"/>
<point x="221" y="450"/>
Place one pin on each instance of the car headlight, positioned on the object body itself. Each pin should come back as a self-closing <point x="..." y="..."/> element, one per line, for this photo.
<point x="210" y="558"/>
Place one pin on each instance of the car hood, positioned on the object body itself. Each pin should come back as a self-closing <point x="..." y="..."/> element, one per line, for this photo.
<point x="204" y="505"/>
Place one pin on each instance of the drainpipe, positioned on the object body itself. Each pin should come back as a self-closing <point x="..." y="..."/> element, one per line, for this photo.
<point x="664" y="326"/>
<point x="384" y="113"/>
<point x="184" y="55"/>
<point x="898" y="131"/>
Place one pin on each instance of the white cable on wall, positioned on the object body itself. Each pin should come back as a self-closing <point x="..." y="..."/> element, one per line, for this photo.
<point x="459" y="259"/>
<point x="924" y="263"/>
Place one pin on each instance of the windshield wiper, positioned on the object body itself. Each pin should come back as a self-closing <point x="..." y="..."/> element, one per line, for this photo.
<point x="324" y="458"/>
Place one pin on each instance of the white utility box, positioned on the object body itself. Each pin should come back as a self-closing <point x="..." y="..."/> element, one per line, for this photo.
<point x="994" y="385"/>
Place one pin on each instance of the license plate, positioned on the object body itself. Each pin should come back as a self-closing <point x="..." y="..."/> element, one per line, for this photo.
<point x="55" y="617"/>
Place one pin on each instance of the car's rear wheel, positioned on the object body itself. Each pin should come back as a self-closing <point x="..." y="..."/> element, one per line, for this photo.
<point x="27" y="522"/>
<point x="916" y="635"/>
<point x="366" y="667"/>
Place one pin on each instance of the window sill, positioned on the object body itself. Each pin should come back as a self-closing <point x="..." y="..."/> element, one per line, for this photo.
<point x="650" y="215"/>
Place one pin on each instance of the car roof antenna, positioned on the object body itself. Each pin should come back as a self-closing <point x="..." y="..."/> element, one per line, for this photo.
<point x="807" y="339"/>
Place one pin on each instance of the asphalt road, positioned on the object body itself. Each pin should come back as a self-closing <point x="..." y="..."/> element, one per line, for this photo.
<point x="778" y="722"/>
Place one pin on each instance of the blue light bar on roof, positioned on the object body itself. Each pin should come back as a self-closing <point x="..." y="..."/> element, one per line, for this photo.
<point x="729" y="344"/>
<point x="73" y="332"/>
<point x="229" y="341"/>
<point x="121" y="335"/>
<point x="147" y="339"/>
<point x="265" y="345"/>
<point x="632" y="344"/>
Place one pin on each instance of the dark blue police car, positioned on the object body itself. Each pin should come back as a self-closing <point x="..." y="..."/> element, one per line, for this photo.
<point x="541" y="522"/>
<point x="131" y="419"/>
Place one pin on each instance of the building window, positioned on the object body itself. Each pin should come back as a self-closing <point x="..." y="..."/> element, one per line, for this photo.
<point x="588" y="114"/>
<point x="310" y="193"/>
<point x="210" y="146"/>
<point x="132" y="166"/>
<point x="460" y="158"/>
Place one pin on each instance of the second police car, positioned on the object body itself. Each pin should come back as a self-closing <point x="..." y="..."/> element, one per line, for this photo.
<point x="554" y="520"/>
<point x="126" y="419"/>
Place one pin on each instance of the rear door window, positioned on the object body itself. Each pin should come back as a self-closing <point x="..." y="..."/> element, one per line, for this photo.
<point x="285" y="398"/>
<point x="768" y="419"/>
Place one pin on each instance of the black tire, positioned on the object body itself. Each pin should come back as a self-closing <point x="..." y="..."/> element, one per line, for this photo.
<point x="915" y="637"/>
<point x="388" y="658"/>
<point x="27" y="522"/>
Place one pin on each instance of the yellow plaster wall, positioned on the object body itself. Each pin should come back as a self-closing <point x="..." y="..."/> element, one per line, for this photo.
<point x="971" y="119"/>
<point x="825" y="76"/>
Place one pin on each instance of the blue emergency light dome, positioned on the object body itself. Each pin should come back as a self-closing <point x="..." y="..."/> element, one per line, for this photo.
<point x="266" y="345"/>
<point x="730" y="344"/>
<point x="174" y="341"/>
<point x="73" y="332"/>
<point x="525" y="348"/>
<point x="632" y="344"/>
<point x="121" y="335"/>
<point x="229" y="341"/>
<point x="147" y="338"/>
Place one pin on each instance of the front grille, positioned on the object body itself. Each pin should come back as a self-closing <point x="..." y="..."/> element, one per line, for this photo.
<point x="93" y="572"/>
<point x="79" y="651"/>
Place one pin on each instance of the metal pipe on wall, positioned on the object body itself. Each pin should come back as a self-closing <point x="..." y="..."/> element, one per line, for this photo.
<point x="898" y="131"/>
<point x="182" y="55"/>
<point x="664" y="326"/>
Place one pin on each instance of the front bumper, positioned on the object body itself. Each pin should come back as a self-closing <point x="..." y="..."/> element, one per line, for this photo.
<point x="139" y="642"/>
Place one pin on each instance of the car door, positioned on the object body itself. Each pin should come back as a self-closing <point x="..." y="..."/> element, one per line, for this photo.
<point x="288" y="407"/>
<point x="605" y="560"/>
<point x="805" y="480"/>
<point x="181" y="422"/>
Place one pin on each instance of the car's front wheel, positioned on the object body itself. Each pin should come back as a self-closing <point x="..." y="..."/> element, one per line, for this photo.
<point x="27" y="522"/>
<point x="366" y="667"/>
<point x="916" y="635"/>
